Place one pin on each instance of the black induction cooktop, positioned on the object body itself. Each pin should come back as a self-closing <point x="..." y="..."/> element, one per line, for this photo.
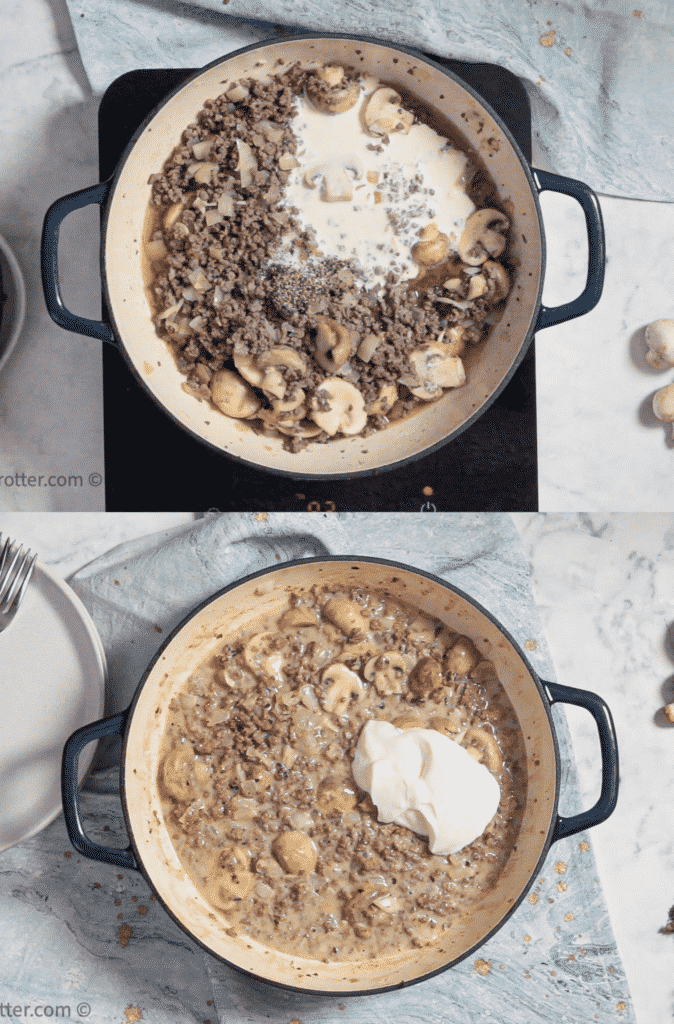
<point x="151" y="464"/>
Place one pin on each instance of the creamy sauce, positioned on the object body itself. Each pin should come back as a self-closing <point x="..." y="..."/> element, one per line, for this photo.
<point x="416" y="179"/>
<point x="259" y="751"/>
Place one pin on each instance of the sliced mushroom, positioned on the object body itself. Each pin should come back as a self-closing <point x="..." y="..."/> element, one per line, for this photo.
<point x="334" y="797"/>
<point x="462" y="657"/>
<point x="248" y="368"/>
<point x="368" y="346"/>
<point x="236" y="677"/>
<point x="335" y="178"/>
<point x="406" y="722"/>
<point x="301" y="429"/>
<point x="362" y="910"/>
<point x="176" y="771"/>
<point x="283" y="356"/>
<point x="346" y="615"/>
<point x="295" y="852"/>
<point x="258" y="650"/>
<point x="330" y="91"/>
<point x="221" y="892"/>
<point x="477" y="286"/>
<point x="386" y="399"/>
<point x="433" y="247"/>
<point x="388" y="672"/>
<point x="434" y="368"/>
<point x="426" y="676"/>
<point x="449" y="725"/>
<point x="333" y="345"/>
<point x="454" y="340"/>
<point x="343" y="684"/>
<point x="236" y="93"/>
<point x="262" y="370"/>
<point x="497" y="280"/>
<point x="232" y="395"/>
<point x="483" y="236"/>
<point x="285" y="412"/>
<point x="233" y="878"/>
<point x="338" y="407"/>
<point x="172" y="214"/>
<point x="485" y="743"/>
<point x="383" y="113"/>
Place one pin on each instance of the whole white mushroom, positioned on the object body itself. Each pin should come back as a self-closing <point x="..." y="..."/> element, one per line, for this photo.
<point x="663" y="404"/>
<point x="660" y="341"/>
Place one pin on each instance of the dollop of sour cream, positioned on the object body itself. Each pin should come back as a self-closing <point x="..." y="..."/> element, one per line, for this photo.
<point x="426" y="782"/>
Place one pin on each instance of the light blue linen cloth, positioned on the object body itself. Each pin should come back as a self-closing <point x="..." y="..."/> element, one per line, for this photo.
<point x="599" y="75"/>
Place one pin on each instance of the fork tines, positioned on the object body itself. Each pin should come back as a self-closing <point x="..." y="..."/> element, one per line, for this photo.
<point x="16" y="569"/>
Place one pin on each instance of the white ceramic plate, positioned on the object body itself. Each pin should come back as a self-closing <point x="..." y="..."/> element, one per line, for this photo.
<point x="52" y="682"/>
<point x="14" y="306"/>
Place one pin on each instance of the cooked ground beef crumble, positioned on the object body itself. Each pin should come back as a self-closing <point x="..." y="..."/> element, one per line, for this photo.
<point x="222" y="298"/>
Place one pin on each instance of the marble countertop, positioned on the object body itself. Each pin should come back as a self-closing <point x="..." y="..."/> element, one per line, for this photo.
<point x="599" y="446"/>
<point x="604" y="587"/>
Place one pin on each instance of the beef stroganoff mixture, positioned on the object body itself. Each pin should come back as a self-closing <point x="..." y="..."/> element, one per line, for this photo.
<point x="258" y="790"/>
<point x="319" y="259"/>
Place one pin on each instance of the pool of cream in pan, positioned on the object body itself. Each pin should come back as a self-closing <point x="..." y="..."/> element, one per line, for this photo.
<point x="400" y="184"/>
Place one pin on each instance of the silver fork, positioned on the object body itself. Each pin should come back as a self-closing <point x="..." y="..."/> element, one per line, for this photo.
<point x="16" y="569"/>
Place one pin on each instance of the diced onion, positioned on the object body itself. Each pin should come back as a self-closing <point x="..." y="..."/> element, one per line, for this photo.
<point x="226" y="204"/>
<point x="155" y="249"/>
<point x="202" y="149"/>
<point x="171" y="311"/>
<point x="198" y="280"/>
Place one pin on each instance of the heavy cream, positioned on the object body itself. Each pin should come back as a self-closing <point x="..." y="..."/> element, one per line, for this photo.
<point x="367" y="198"/>
<point x="424" y="781"/>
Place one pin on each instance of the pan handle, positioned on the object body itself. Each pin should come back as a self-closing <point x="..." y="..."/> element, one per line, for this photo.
<point x="51" y="284"/>
<point x="608" y="797"/>
<point x="596" y="260"/>
<point x="70" y="792"/>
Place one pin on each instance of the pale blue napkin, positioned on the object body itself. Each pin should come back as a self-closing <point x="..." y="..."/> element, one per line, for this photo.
<point x="599" y="75"/>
